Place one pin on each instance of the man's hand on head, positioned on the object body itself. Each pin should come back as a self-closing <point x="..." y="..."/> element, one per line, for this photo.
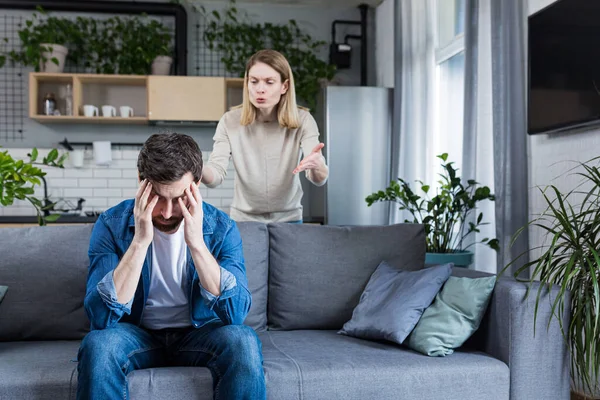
<point x="193" y="216"/>
<point x="142" y="212"/>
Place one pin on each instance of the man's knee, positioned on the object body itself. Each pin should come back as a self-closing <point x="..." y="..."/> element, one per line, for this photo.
<point x="244" y="343"/>
<point x="100" y="345"/>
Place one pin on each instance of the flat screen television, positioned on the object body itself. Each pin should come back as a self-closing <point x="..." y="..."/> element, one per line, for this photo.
<point x="564" y="66"/>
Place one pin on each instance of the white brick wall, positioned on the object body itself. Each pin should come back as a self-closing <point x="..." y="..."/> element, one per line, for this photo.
<point x="103" y="186"/>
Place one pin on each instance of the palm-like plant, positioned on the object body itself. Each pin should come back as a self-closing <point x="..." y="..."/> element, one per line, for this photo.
<point x="570" y="259"/>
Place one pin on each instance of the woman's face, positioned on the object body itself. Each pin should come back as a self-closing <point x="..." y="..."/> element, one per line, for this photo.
<point x="265" y="86"/>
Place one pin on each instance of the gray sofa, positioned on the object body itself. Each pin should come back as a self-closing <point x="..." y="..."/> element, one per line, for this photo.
<point x="305" y="282"/>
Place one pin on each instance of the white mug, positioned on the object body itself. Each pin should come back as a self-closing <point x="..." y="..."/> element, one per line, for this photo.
<point x="109" y="111"/>
<point x="126" y="111"/>
<point x="76" y="157"/>
<point x="90" y="110"/>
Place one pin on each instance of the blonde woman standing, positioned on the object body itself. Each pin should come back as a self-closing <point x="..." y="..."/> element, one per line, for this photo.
<point x="264" y="137"/>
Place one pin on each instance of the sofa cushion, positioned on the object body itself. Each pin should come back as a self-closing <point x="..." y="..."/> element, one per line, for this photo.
<point x="453" y="317"/>
<point x="44" y="370"/>
<point x="321" y="365"/>
<point x="298" y="365"/>
<point x="317" y="273"/>
<point x="255" y="240"/>
<point x="394" y="301"/>
<point x="45" y="269"/>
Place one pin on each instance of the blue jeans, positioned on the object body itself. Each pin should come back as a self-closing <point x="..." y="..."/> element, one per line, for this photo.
<point x="233" y="353"/>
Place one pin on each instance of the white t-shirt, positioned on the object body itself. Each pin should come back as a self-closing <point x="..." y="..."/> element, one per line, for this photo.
<point x="167" y="305"/>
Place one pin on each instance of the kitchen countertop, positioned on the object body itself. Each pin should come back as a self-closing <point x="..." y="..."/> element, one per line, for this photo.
<point x="32" y="219"/>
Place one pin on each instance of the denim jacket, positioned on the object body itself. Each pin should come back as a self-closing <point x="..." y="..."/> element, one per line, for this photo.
<point x="111" y="237"/>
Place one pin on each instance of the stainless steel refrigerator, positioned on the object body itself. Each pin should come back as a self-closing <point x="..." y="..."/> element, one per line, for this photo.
<point x="355" y="123"/>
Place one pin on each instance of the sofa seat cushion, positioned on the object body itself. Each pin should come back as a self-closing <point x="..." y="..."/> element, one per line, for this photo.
<point x="48" y="371"/>
<point x="315" y="364"/>
<point x="307" y="365"/>
<point x="38" y="370"/>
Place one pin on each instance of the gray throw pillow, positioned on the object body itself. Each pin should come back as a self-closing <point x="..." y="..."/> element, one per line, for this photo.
<point x="393" y="302"/>
<point x="3" y="290"/>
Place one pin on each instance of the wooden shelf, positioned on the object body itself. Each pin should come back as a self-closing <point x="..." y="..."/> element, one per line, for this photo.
<point x="64" y="119"/>
<point x="129" y="80"/>
<point x="236" y="83"/>
<point x="153" y="98"/>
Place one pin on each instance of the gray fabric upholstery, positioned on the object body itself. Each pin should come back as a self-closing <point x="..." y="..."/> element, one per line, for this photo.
<point x="45" y="269"/>
<point x="509" y="336"/>
<point x="255" y="239"/>
<point x="323" y="365"/>
<point x="308" y="365"/>
<point x="317" y="273"/>
<point x="173" y="383"/>
<point x="44" y="370"/>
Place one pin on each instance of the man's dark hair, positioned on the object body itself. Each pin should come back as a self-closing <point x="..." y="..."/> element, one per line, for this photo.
<point x="166" y="157"/>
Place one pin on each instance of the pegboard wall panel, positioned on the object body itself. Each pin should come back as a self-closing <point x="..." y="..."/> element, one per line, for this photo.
<point x="14" y="78"/>
<point x="207" y="62"/>
<point x="13" y="99"/>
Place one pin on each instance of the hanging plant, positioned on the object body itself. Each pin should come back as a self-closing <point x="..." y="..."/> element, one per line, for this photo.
<point x="233" y="35"/>
<point x="114" y="45"/>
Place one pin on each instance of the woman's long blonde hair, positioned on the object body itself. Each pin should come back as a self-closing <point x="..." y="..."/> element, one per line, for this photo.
<point x="287" y="110"/>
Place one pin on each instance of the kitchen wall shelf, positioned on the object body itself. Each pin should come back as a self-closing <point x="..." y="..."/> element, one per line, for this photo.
<point x="153" y="98"/>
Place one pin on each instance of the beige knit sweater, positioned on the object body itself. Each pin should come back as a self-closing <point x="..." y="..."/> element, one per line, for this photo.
<point x="264" y="155"/>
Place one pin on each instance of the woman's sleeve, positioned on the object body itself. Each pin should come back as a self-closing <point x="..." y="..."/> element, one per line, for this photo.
<point x="309" y="138"/>
<point x="220" y="156"/>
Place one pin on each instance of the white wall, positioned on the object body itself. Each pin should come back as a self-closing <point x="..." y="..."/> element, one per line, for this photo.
<point x="553" y="155"/>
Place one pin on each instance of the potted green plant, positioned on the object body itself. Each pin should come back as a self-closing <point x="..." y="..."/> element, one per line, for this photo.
<point x="445" y="215"/>
<point x="19" y="177"/>
<point x="236" y="38"/>
<point x="45" y="42"/>
<point x="570" y="260"/>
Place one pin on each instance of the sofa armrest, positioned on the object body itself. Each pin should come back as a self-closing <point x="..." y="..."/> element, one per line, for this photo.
<point x="538" y="364"/>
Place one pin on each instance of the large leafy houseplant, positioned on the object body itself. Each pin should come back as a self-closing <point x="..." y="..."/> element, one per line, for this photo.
<point x="108" y="46"/>
<point x="42" y="29"/>
<point x="19" y="177"/>
<point x="570" y="260"/>
<point x="236" y="38"/>
<point x="445" y="215"/>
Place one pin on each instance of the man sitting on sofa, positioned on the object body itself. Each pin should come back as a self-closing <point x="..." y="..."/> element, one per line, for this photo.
<point x="167" y="284"/>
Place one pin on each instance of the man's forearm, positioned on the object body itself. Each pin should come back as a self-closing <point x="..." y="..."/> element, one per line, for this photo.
<point x="209" y="271"/>
<point x="127" y="274"/>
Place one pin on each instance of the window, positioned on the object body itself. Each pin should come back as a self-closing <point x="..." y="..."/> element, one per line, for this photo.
<point x="449" y="83"/>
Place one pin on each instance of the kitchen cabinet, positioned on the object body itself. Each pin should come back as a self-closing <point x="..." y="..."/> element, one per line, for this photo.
<point x="89" y="89"/>
<point x="153" y="98"/>
<point x="185" y="98"/>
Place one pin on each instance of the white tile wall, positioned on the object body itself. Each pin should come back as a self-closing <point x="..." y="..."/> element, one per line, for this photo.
<point x="103" y="186"/>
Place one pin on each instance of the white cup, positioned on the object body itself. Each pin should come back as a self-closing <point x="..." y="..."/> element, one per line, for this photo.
<point x="109" y="111"/>
<point x="126" y="111"/>
<point x="90" y="110"/>
<point x="76" y="157"/>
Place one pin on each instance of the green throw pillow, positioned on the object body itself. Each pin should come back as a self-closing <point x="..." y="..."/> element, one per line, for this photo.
<point x="3" y="290"/>
<point x="453" y="317"/>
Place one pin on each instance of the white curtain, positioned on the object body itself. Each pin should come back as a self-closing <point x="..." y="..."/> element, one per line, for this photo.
<point x="413" y="91"/>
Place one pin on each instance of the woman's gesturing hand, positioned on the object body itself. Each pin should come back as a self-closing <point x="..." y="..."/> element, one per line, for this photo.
<point x="312" y="161"/>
